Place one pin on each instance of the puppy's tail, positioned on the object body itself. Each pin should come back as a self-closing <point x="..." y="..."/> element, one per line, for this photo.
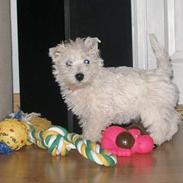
<point x="164" y="65"/>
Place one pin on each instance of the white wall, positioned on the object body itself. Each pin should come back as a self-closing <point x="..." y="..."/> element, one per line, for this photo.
<point x="5" y="60"/>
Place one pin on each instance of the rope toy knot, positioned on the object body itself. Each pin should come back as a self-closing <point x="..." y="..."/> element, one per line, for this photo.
<point x="59" y="142"/>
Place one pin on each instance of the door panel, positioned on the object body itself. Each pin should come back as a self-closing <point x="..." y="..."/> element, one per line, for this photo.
<point x="43" y="25"/>
<point x="164" y="18"/>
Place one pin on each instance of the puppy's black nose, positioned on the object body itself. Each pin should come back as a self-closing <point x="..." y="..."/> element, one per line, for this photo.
<point x="79" y="76"/>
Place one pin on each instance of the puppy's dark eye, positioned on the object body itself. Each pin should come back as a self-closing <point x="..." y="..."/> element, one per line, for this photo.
<point x="68" y="63"/>
<point x="86" y="61"/>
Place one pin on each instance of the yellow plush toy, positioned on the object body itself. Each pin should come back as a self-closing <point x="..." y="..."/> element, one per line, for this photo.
<point x="13" y="133"/>
<point x="15" y="130"/>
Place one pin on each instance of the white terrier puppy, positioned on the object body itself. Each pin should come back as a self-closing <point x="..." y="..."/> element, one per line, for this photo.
<point x="102" y="96"/>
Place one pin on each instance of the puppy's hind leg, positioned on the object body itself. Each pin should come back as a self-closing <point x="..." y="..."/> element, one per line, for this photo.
<point x="174" y="121"/>
<point x="161" y="123"/>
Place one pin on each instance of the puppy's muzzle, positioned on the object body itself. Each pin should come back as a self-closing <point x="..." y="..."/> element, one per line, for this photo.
<point x="79" y="76"/>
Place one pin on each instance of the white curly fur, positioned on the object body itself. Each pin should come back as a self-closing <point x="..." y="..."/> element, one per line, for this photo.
<point x="116" y="95"/>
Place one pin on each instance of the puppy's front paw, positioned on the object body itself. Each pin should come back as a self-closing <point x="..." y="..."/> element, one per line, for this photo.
<point x="92" y="136"/>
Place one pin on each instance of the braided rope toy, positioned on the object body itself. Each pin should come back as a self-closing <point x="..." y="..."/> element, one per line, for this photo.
<point x="59" y="142"/>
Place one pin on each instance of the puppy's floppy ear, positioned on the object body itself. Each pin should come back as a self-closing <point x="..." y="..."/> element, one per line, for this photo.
<point x="92" y="43"/>
<point x="56" y="51"/>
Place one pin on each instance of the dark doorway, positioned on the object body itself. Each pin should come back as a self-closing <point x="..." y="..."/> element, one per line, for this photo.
<point x="43" y="24"/>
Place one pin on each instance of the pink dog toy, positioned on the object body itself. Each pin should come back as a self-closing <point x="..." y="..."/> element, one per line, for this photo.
<point x="122" y="142"/>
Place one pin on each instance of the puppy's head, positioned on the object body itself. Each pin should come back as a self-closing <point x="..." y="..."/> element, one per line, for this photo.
<point x="76" y="63"/>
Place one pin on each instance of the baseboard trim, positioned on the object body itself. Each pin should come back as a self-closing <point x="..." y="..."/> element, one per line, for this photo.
<point x="16" y="102"/>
